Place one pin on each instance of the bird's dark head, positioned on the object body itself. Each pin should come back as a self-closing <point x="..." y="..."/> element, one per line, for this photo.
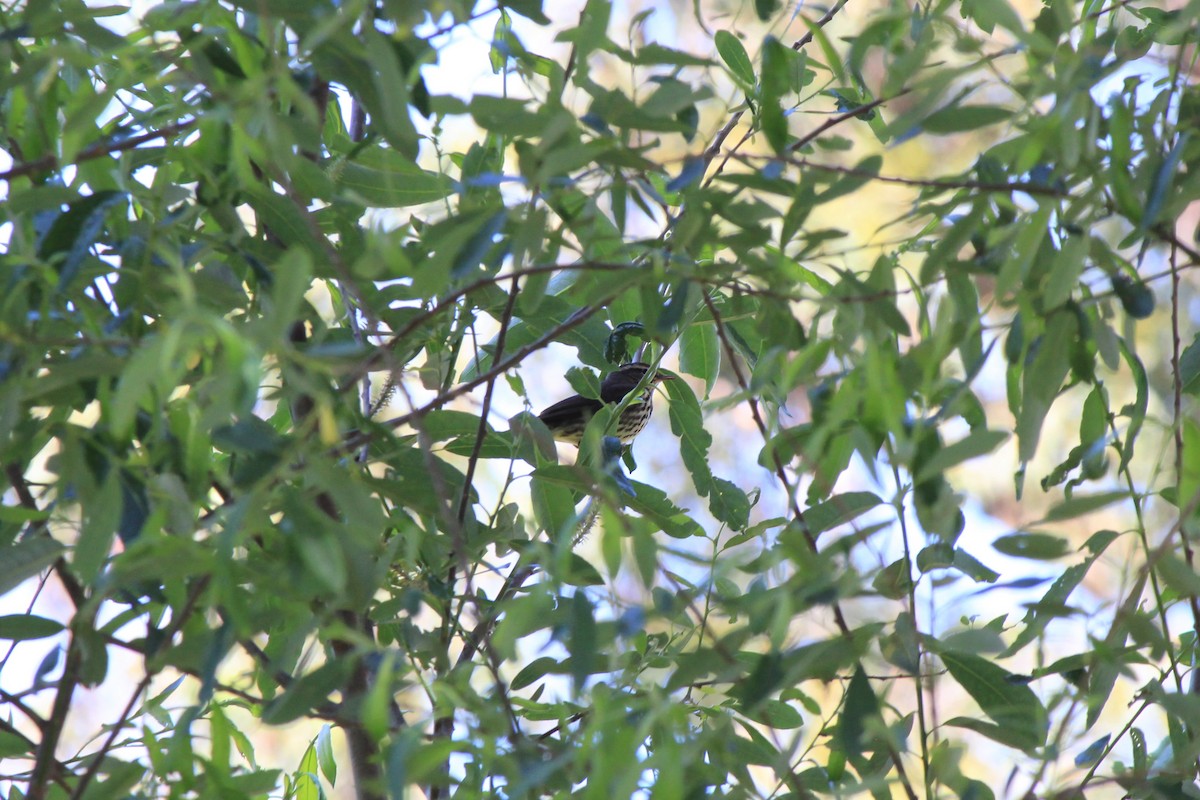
<point x="636" y="369"/>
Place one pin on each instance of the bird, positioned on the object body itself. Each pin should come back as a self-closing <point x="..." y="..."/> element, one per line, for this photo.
<point x="567" y="418"/>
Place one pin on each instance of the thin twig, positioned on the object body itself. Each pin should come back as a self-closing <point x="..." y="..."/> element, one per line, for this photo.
<point x="176" y="625"/>
<point x="574" y="321"/>
<point x="797" y="513"/>
<point x="71" y="584"/>
<point x="97" y="151"/>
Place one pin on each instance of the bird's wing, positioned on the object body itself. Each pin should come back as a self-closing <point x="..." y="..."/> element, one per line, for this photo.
<point x="569" y="409"/>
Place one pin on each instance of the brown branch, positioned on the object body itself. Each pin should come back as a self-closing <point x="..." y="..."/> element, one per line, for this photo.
<point x="364" y="751"/>
<point x="797" y="514"/>
<point x="1169" y="236"/>
<point x="1107" y="9"/>
<point x="481" y="431"/>
<point x="714" y="147"/>
<point x="45" y="761"/>
<point x="838" y="119"/>
<point x="96" y="151"/>
<point x="1189" y="555"/>
<point x="177" y="623"/>
<point x="821" y="23"/>
<point x="574" y="321"/>
<point x="1038" y="189"/>
<point x="780" y="472"/>
<point x="449" y="301"/>
<point x="16" y="478"/>
<point x="443" y="727"/>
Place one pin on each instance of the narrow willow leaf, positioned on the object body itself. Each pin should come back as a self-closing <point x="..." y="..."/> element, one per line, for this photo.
<point x="1042" y="381"/>
<point x="25" y="559"/>
<point x="1012" y="705"/>
<point x="955" y="119"/>
<point x="1037" y="546"/>
<point x="1081" y="504"/>
<point x="974" y="445"/>
<point x="726" y="501"/>
<point x="734" y="54"/>
<point x="22" y="627"/>
<point x="325" y="757"/>
<point x="775" y="84"/>
<point x="74" y="232"/>
<point x="700" y="354"/>
<point x="1136" y="411"/>
<point x="383" y="178"/>
<point x="859" y="711"/>
<point x="838" y="510"/>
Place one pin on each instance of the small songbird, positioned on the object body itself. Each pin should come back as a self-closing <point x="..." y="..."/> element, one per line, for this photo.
<point x="567" y="419"/>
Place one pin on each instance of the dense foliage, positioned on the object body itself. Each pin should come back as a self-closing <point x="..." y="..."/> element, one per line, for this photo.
<point x="284" y="279"/>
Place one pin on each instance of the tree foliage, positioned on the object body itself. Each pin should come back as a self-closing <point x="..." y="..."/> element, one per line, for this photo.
<point x="277" y="289"/>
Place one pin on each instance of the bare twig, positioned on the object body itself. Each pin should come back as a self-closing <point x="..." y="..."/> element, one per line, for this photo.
<point x="574" y="321"/>
<point x="177" y="623"/>
<point x="97" y="151"/>
<point x="16" y="478"/>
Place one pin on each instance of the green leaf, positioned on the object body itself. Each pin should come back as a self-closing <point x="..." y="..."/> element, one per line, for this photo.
<point x="951" y="242"/>
<point x="765" y="9"/>
<point x="534" y="671"/>
<point x="1136" y="411"/>
<point x="501" y="50"/>
<point x="1189" y="367"/>
<point x="779" y="715"/>
<point x="1175" y="572"/>
<point x="21" y="627"/>
<point x="1164" y="176"/>
<point x="325" y="758"/>
<point x="828" y="51"/>
<point x="307" y="692"/>
<point x="384" y="178"/>
<point x="584" y="382"/>
<point x="74" y="232"/>
<point x="935" y="556"/>
<point x="1005" y="735"/>
<point x="657" y="53"/>
<point x="506" y="116"/>
<point x="553" y="504"/>
<point x="775" y="84"/>
<point x="25" y="559"/>
<point x="895" y="580"/>
<point x="290" y="223"/>
<point x="581" y="642"/>
<point x="700" y="354"/>
<point x="727" y="502"/>
<point x="973" y="568"/>
<point x="973" y="445"/>
<point x="955" y="119"/>
<point x="1188" y="490"/>
<point x="1065" y="271"/>
<point x="1010" y="703"/>
<point x="987" y="14"/>
<point x="860" y="709"/>
<point x="1037" y="546"/>
<point x="1043" y="379"/>
<point x="734" y="54"/>
<point x="13" y="745"/>
<point x="863" y="173"/>
<point x="307" y="787"/>
<point x="1080" y="504"/>
<point x="653" y="503"/>
<point x="838" y="510"/>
